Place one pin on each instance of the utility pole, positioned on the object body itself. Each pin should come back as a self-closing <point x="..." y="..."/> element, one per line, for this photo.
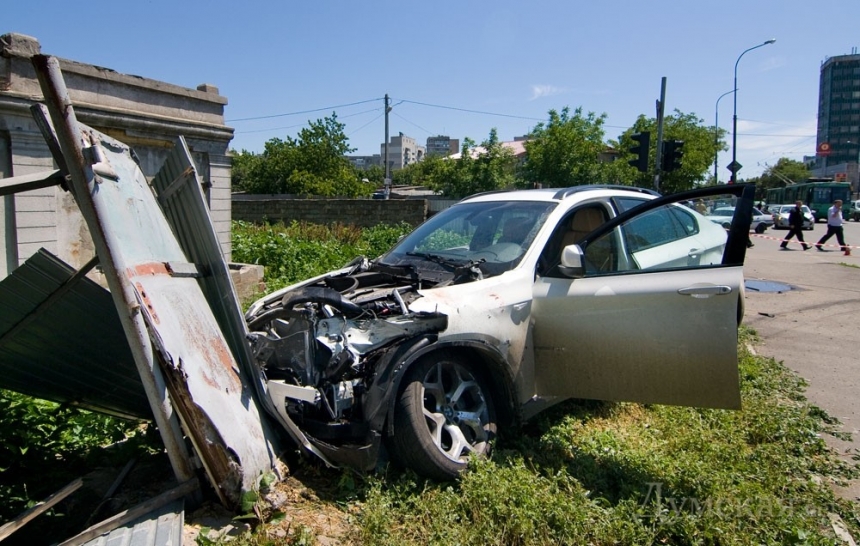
<point x="387" y="181"/>
<point x="658" y="162"/>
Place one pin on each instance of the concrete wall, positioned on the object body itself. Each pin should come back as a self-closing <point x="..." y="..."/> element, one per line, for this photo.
<point x="147" y="115"/>
<point x="357" y="212"/>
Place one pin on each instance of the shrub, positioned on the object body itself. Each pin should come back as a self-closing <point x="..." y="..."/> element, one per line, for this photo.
<point x="300" y="250"/>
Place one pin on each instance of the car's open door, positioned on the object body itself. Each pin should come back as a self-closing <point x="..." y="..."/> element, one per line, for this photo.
<point x="648" y="306"/>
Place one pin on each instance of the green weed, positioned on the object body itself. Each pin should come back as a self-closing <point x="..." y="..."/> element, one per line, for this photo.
<point x="300" y="250"/>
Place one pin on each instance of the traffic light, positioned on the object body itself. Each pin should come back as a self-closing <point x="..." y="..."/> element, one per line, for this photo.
<point x="673" y="151"/>
<point x="643" y="140"/>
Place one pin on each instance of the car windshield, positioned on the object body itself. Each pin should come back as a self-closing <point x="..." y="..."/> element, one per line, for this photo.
<point x="490" y="236"/>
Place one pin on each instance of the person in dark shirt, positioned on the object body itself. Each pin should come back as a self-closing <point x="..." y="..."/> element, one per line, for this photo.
<point x="795" y="226"/>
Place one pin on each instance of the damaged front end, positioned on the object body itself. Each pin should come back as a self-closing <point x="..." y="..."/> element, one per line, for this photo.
<point x="331" y="350"/>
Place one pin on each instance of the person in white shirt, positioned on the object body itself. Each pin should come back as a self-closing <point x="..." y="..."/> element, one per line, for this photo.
<point x="834" y="227"/>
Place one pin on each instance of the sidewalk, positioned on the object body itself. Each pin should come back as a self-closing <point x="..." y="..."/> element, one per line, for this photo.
<point x="811" y="327"/>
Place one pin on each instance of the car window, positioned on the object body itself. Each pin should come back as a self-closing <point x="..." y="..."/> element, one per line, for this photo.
<point x="654" y="228"/>
<point x="623" y="204"/>
<point x="668" y="237"/>
<point x="685" y="219"/>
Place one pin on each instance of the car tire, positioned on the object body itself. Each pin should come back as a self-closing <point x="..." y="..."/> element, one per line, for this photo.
<point x="760" y="228"/>
<point x="443" y="415"/>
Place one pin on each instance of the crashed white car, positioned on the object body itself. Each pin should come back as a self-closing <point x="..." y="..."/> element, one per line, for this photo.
<point x="499" y="307"/>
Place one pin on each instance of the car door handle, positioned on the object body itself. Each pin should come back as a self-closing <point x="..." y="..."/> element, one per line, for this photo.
<point x="705" y="291"/>
<point x="694" y="252"/>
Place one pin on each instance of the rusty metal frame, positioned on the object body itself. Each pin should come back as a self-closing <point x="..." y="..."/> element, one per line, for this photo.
<point x="177" y="344"/>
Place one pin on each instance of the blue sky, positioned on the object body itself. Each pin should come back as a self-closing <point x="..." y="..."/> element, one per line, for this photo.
<point x="498" y="64"/>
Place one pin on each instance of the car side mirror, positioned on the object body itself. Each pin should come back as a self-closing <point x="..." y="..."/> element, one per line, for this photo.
<point x="571" y="262"/>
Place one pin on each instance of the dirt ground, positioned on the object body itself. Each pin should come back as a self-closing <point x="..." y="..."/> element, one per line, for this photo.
<point x="306" y="504"/>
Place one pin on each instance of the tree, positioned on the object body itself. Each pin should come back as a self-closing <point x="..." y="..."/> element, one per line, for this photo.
<point x="492" y="166"/>
<point x="312" y="164"/>
<point x="701" y="144"/>
<point x="786" y="171"/>
<point x="245" y="164"/>
<point x="566" y="151"/>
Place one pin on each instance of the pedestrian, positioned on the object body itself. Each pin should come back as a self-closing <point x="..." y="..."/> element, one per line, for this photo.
<point x="795" y="226"/>
<point x="834" y="227"/>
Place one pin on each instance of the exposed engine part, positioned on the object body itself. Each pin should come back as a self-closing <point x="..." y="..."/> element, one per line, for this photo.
<point x="318" y="345"/>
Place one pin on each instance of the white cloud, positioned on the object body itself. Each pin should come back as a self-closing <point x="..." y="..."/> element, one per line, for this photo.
<point x="772" y="63"/>
<point x="539" y="91"/>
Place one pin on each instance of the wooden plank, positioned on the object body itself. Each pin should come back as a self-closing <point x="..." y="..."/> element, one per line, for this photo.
<point x="43" y="506"/>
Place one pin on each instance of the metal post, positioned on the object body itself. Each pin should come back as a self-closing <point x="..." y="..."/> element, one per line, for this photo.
<point x="387" y="182"/>
<point x="717" y="135"/>
<point x="734" y="166"/>
<point x="658" y="156"/>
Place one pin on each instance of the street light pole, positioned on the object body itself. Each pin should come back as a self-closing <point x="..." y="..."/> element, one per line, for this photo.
<point x="717" y="135"/>
<point x="734" y="165"/>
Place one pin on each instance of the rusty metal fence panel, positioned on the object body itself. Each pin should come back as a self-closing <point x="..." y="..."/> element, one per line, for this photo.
<point x="176" y="341"/>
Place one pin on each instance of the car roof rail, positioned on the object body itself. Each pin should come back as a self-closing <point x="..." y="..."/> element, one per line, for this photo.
<point x="567" y="192"/>
<point x="490" y="192"/>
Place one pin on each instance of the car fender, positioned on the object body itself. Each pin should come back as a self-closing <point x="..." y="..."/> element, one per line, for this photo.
<point x="393" y="367"/>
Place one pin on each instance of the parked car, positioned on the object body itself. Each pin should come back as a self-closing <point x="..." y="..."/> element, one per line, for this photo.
<point x="781" y="212"/>
<point x="499" y="307"/>
<point x="854" y="211"/>
<point x="723" y="216"/>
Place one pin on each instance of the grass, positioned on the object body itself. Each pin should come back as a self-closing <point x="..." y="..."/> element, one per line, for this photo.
<point x="44" y="445"/>
<point x="608" y="473"/>
<point x="602" y="473"/>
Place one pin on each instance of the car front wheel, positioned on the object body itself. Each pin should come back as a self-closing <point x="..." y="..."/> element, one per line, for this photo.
<point x="443" y="416"/>
<point x="760" y="228"/>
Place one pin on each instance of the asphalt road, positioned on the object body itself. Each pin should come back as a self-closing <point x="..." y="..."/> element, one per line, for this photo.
<point x="813" y="323"/>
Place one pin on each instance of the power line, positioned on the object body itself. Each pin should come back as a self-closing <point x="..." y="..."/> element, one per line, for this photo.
<point x="302" y="124"/>
<point x="301" y="112"/>
<point x="773" y="135"/>
<point x="470" y="111"/>
<point x="412" y="123"/>
<point x="366" y="124"/>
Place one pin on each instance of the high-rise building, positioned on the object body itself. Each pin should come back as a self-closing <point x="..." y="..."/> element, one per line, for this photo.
<point x="839" y="111"/>
<point x="402" y="150"/>
<point x="442" y="145"/>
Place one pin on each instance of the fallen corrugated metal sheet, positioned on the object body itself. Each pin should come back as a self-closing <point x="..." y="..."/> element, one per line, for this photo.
<point x="161" y="527"/>
<point x="73" y="350"/>
<point x="181" y="199"/>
